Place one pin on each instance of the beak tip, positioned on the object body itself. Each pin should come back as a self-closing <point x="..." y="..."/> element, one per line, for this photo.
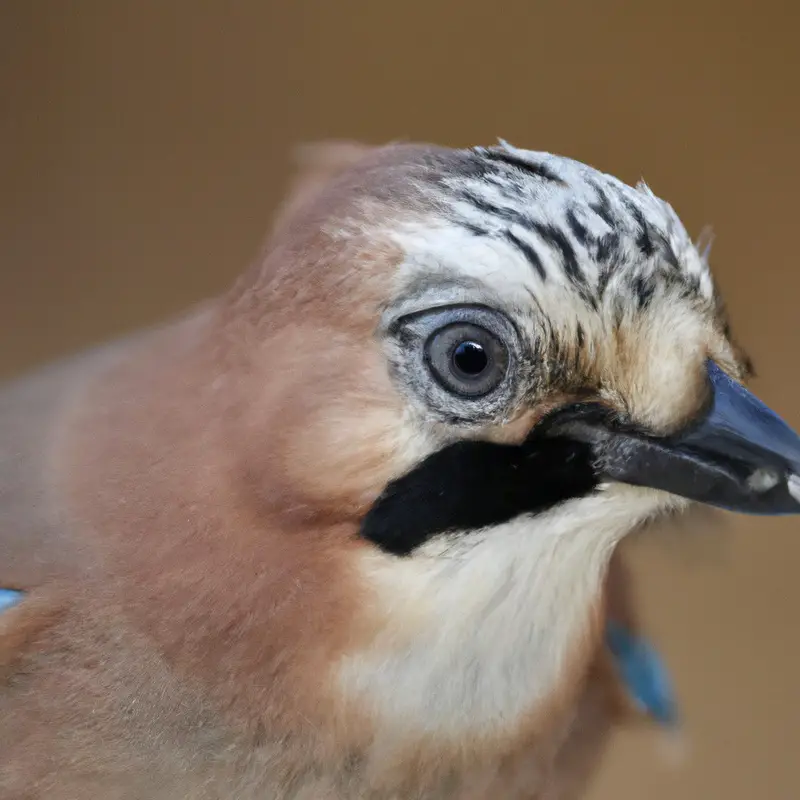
<point x="793" y="484"/>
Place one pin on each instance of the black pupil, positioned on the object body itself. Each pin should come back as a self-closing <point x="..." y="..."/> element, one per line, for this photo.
<point x="470" y="358"/>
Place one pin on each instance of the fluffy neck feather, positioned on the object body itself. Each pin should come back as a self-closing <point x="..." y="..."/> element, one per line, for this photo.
<point x="473" y="635"/>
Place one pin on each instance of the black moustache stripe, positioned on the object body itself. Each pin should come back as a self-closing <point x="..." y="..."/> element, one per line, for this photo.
<point x="472" y="484"/>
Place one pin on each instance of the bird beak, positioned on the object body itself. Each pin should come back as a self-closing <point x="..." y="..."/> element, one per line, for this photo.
<point x="738" y="455"/>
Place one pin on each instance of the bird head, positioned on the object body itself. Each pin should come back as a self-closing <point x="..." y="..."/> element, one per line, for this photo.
<point x="372" y="494"/>
<point x="486" y="367"/>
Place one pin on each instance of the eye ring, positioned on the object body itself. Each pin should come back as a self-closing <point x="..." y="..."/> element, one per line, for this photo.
<point x="466" y="359"/>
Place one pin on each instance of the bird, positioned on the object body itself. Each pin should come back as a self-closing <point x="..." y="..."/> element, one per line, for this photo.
<point x="355" y="527"/>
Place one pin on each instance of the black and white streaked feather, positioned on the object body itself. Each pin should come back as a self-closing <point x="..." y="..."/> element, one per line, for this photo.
<point x="572" y="256"/>
<point x="572" y="222"/>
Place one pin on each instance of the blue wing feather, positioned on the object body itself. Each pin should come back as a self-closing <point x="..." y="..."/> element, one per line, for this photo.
<point x="643" y="673"/>
<point x="8" y="598"/>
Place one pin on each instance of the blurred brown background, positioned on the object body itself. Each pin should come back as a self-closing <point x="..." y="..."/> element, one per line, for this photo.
<point x="144" y="145"/>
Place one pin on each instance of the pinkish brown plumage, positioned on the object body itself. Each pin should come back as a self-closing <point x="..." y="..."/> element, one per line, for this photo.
<point x="206" y="614"/>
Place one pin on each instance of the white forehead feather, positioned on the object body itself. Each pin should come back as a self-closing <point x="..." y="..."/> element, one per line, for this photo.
<point x="509" y="216"/>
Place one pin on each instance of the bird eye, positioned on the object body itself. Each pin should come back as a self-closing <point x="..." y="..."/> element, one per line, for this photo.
<point x="466" y="359"/>
<point x="470" y="359"/>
